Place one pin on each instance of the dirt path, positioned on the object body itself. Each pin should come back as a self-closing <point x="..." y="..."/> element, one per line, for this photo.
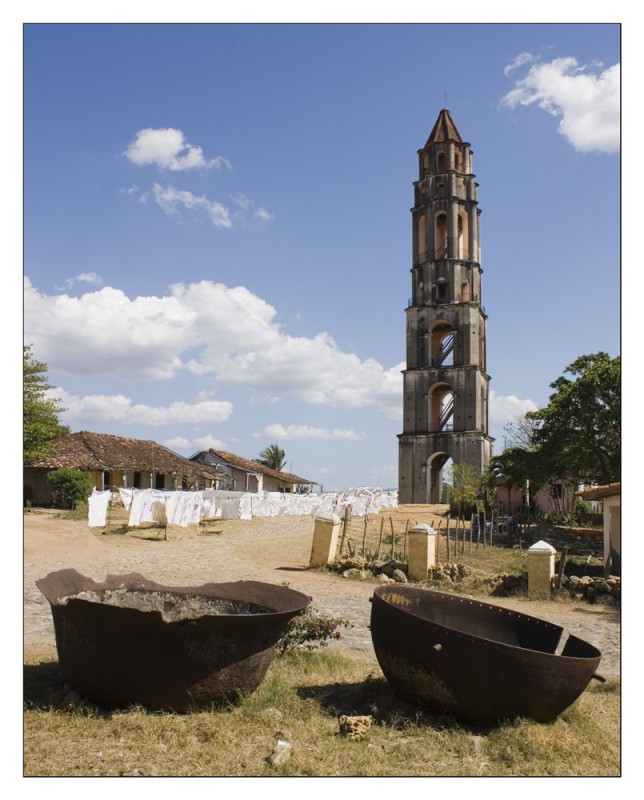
<point x="273" y="549"/>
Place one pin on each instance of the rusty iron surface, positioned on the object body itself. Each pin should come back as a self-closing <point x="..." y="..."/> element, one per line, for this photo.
<point x="116" y="654"/>
<point x="477" y="661"/>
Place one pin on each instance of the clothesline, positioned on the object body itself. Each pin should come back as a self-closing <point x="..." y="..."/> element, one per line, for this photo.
<point x="189" y="508"/>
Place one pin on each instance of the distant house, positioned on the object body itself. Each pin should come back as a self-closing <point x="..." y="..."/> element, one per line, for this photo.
<point x="611" y="497"/>
<point x="115" y="461"/>
<point x="243" y="475"/>
<point x="558" y="496"/>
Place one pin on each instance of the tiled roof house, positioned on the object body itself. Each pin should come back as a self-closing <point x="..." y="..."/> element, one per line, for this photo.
<point x="244" y="475"/>
<point x="117" y="461"/>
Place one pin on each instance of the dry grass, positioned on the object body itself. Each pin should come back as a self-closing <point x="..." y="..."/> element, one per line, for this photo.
<point x="301" y="700"/>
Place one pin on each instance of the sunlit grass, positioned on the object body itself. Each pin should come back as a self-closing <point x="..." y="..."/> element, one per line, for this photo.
<point x="301" y="700"/>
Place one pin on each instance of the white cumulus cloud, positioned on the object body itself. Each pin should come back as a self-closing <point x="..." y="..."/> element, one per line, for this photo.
<point x="248" y="206"/>
<point x="586" y="99"/>
<point x="84" y="277"/>
<point x="263" y="214"/>
<point x="170" y="200"/>
<point x="166" y="148"/>
<point x="277" y="431"/>
<point x="209" y="329"/>
<point x="118" y="408"/>
<point x="505" y="408"/>
<point x="189" y="446"/>
<point x="519" y="61"/>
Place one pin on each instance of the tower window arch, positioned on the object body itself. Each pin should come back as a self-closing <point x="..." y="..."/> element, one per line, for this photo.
<point x="462" y="248"/>
<point x="441" y="408"/>
<point x="421" y="237"/>
<point x="442" y="344"/>
<point x="441" y="162"/>
<point x="440" y="234"/>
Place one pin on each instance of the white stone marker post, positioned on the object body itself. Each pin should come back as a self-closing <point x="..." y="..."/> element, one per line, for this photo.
<point x="422" y="551"/>
<point x="541" y="568"/>
<point x="325" y="540"/>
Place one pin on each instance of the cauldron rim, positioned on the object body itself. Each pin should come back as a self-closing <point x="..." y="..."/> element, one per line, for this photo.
<point x="64" y="585"/>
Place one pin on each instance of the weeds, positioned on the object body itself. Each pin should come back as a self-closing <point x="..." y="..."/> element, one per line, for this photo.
<point x="311" y="629"/>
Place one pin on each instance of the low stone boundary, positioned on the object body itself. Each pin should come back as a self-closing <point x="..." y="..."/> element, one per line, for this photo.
<point x="602" y="591"/>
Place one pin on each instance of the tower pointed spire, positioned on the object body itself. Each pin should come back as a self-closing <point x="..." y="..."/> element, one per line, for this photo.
<point x="444" y="129"/>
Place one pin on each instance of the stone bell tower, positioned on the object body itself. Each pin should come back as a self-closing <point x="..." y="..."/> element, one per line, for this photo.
<point x="445" y="407"/>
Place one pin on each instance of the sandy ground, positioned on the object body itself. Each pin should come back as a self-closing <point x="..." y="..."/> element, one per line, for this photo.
<point x="273" y="549"/>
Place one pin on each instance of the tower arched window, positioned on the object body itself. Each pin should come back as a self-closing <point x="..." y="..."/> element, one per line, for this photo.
<point x="441" y="162"/>
<point x="441" y="408"/>
<point x="462" y="249"/>
<point x="442" y="345"/>
<point x="421" y="238"/>
<point x="440" y="235"/>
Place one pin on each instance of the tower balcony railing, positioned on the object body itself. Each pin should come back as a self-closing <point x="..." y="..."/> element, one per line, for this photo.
<point x="441" y="250"/>
<point x="448" y="427"/>
<point x="446" y="414"/>
<point x="446" y="348"/>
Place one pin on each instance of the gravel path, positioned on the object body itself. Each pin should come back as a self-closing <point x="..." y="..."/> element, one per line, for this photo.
<point x="273" y="549"/>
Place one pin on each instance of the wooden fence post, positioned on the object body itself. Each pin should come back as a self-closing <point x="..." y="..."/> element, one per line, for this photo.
<point x="347" y="517"/>
<point x="364" y="535"/>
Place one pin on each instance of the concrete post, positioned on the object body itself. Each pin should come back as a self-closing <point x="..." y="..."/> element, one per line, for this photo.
<point x="422" y="551"/>
<point x="541" y="568"/>
<point x="325" y="540"/>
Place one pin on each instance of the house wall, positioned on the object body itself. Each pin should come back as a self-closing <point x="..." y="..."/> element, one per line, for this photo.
<point x="613" y="534"/>
<point x="36" y="488"/>
<point x="542" y="501"/>
<point x="39" y="492"/>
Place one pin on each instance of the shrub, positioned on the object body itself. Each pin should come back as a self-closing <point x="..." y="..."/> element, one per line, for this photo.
<point x="72" y="484"/>
<point x="309" y="629"/>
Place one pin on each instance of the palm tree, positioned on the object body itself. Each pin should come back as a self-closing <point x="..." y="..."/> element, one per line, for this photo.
<point x="272" y="457"/>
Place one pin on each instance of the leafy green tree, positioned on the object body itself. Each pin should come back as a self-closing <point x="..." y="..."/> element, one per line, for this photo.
<point x="579" y="432"/>
<point x="73" y="484"/>
<point x="466" y="488"/>
<point x="272" y="457"/>
<point x="40" y="412"/>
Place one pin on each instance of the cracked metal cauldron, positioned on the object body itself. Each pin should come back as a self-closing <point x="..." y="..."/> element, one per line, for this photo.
<point x="480" y="662"/>
<point x="129" y="640"/>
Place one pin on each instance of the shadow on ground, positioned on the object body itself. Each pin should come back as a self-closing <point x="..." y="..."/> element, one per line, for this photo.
<point x="374" y="697"/>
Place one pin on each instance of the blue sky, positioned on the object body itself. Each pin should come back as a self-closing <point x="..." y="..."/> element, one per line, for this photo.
<point x="217" y="227"/>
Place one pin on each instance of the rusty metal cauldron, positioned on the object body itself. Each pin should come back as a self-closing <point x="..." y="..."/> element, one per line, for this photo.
<point x="129" y="640"/>
<point x="480" y="662"/>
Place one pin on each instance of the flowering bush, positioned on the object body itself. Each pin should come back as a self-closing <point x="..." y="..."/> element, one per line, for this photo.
<point x="309" y="629"/>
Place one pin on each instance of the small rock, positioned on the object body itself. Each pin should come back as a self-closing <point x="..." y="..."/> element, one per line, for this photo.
<point x="355" y="727"/>
<point x="281" y="753"/>
<point x="351" y="573"/>
<point x="382" y="578"/>
<point x="399" y="576"/>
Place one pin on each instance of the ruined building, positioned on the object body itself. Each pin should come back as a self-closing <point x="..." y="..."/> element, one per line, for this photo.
<point x="445" y="407"/>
